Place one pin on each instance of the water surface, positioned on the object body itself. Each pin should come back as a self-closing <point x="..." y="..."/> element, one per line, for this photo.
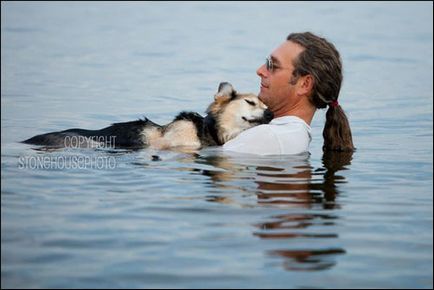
<point x="208" y="218"/>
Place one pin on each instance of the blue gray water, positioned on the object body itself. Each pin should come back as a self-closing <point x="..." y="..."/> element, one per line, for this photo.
<point x="210" y="219"/>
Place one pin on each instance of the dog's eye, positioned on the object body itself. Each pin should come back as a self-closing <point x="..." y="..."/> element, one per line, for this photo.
<point x="250" y="103"/>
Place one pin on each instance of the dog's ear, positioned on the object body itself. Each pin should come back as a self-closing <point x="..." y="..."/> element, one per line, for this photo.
<point x="225" y="87"/>
<point x="225" y="92"/>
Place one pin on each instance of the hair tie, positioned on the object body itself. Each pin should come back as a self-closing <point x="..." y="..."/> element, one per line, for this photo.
<point x="334" y="104"/>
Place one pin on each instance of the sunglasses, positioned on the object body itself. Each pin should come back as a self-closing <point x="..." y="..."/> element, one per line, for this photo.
<point x="271" y="67"/>
<point x="269" y="64"/>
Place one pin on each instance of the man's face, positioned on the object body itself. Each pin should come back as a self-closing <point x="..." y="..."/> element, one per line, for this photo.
<point x="276" y="91"/>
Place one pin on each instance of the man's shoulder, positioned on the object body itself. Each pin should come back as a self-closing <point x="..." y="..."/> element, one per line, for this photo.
<point x="252" y="141"/>
<point x="264" y="129"/>
<point x="283" y="137"/>
<point x="275" y="129"/>
<point x="254" y="134"/>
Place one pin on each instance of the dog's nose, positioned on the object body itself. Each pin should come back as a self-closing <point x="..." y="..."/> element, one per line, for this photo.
<point x="268" y="115"/>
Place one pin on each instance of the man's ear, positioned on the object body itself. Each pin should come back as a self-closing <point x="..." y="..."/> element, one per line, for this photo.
<point x="225" y="92"/>
<point x="306" y="84"/>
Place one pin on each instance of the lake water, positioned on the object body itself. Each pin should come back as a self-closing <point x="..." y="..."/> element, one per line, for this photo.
<point x="145" y="219"/>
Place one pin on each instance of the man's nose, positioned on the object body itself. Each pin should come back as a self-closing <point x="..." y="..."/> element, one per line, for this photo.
<point x="261" y="71"/>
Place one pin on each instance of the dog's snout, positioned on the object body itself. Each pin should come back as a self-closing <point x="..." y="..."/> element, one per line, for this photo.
<point x="268" y="115"/>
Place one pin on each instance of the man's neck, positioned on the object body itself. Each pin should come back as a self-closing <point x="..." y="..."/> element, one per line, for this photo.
<point x="303" y="112"/>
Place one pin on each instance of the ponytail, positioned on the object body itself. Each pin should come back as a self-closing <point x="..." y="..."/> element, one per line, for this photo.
<point x="337" y="132"/>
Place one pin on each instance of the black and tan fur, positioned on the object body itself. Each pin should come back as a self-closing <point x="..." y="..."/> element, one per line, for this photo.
<point x="229" y="114"/>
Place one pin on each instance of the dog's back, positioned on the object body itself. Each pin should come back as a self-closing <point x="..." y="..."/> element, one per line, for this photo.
<point x="126" y="134"/>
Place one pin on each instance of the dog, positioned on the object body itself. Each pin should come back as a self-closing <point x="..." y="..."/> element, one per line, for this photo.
<point x="227" y="116"/>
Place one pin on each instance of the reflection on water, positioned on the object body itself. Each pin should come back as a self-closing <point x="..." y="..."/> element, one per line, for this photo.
<point x="295" y="185"/>
<point x="304" y="189"/>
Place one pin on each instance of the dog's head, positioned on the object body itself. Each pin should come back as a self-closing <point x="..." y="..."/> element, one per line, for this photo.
<point x="236" y="112"/>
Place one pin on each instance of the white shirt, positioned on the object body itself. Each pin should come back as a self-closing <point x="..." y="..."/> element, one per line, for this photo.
<point x="283" y="135"/>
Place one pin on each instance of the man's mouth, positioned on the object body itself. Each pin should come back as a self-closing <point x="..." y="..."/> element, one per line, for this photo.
<point x="264" y="86"/>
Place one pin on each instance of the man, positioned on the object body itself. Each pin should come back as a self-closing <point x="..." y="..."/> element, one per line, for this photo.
<point x="301" y="75"/>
